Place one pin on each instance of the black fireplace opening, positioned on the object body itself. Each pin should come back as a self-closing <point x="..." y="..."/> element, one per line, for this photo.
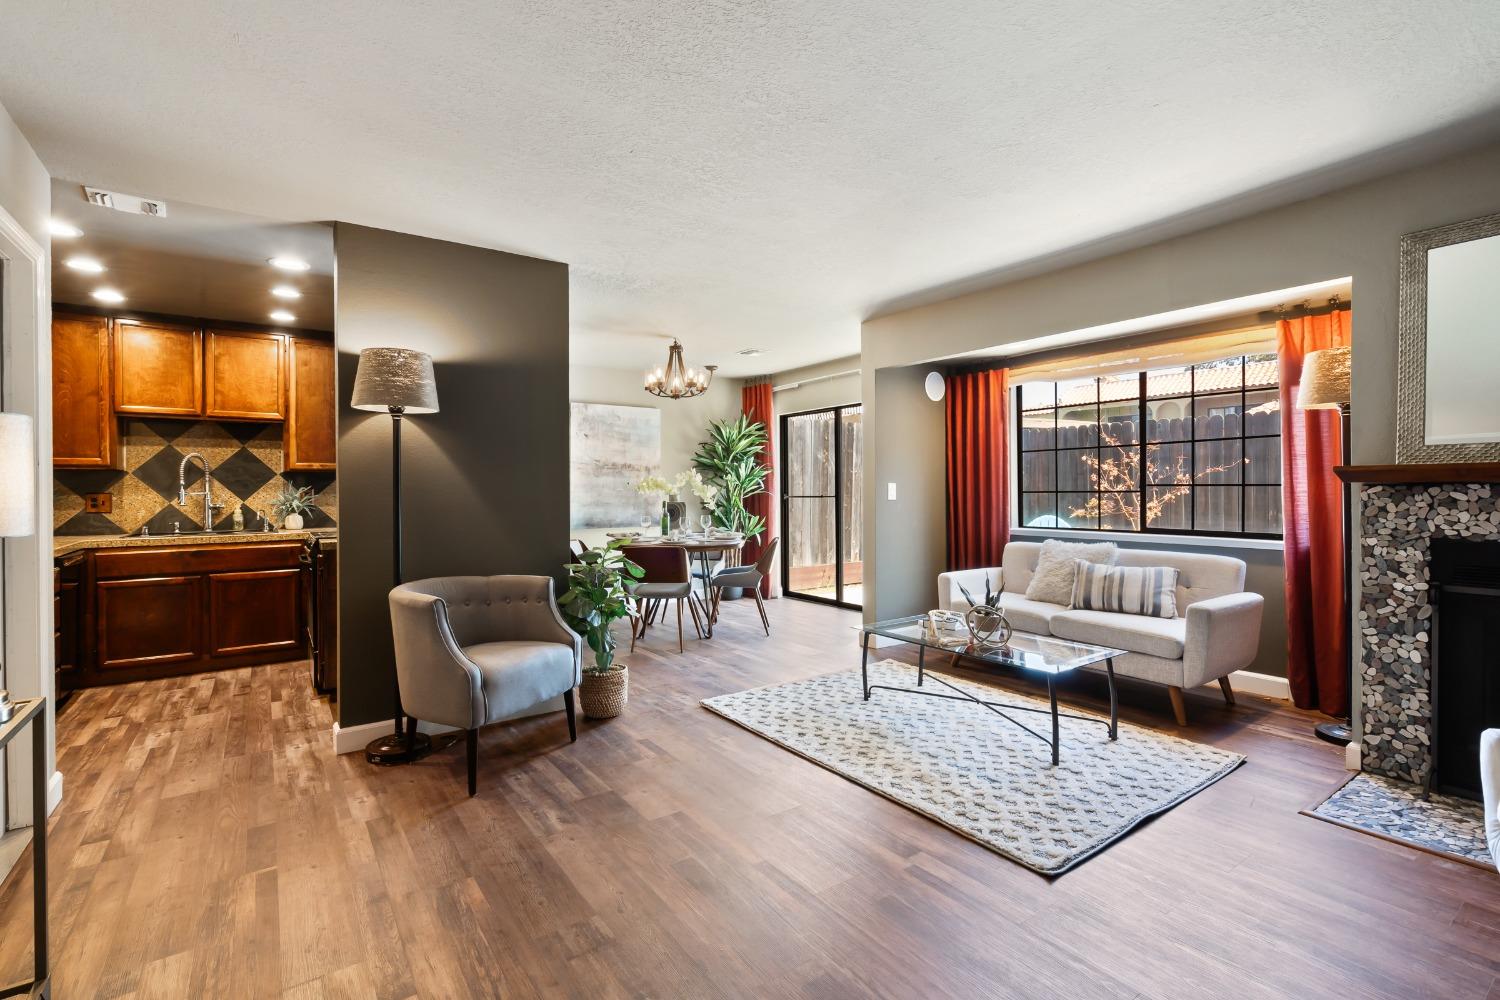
<point x="1464" y="576"/>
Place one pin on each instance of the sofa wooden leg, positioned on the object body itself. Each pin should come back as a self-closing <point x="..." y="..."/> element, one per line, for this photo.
<point x="572" y="718"/>
<point x="1179" y="709"/>
<point x="1228" y="691"/>
<point x="473" y="752"/>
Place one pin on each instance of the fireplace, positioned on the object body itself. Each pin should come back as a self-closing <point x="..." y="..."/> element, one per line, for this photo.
<point x="1464" y="578"/>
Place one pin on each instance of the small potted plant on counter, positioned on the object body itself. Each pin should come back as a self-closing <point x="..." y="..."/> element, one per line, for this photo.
<point x="292" y="504"/>
<point x="596" y="598"/>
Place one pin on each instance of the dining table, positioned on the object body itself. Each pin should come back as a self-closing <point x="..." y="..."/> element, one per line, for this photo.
<point x="705" y="549"/>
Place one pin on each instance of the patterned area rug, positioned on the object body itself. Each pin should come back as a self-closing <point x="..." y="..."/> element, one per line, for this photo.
<point x="1395" y="810"/>
<point x="976" y="773"/>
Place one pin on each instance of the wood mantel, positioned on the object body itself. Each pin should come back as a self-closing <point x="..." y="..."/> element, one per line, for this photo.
<point x="1445" y="472"/>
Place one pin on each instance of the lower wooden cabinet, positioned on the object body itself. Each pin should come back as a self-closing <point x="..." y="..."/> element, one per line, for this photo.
<point x="162" y="611"/>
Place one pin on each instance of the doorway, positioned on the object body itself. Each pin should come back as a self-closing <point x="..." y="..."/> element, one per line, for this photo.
<point x="822" y="505"/>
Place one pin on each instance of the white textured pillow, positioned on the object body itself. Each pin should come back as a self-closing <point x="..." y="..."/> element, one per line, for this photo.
<point x="1053" y="580"/>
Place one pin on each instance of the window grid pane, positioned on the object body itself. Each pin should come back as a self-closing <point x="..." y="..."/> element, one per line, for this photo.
<point x="1211" y="464"/>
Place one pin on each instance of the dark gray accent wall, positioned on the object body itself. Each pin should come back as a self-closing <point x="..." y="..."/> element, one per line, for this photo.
<point x="486" y="478"/>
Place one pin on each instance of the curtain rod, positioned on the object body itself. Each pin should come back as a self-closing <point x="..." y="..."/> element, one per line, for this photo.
<point x="816" y="378"/>
<point x="1304" y="308"/>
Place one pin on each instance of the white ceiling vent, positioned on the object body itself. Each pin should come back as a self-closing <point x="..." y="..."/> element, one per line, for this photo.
<point x="125" y="202"/>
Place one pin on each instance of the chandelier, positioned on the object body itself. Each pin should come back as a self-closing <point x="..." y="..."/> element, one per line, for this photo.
<point x="676" y="380"/>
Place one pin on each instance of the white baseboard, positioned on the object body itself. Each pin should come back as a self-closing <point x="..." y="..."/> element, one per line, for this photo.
<point x="1351" y="757"/>
<point x="54" y="792"/>
<point x="352" y="738"/>
<point x="1263" y="685"/>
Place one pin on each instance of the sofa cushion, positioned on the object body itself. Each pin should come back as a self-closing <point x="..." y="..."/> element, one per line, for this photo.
<point x="517" y="675"/>
<point x="1052" y="581"/>
<point x="1028" y="615"/>
<point x="1162" y="637"/>
<point x="1132" y="590"/>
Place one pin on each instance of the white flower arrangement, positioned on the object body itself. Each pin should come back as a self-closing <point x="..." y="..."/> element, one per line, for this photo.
<point x="692" y="481"/>
<point x="653" y="486"/>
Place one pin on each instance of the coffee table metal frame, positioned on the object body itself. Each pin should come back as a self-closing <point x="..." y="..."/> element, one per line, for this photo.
<point x="992" y="656"/>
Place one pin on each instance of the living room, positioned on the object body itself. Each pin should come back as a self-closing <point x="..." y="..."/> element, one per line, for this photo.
<point x="819" y="493"/>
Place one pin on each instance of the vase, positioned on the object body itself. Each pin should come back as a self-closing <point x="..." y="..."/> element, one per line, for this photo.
<point x="604" y="695"/>
<point x="293" y="522"/>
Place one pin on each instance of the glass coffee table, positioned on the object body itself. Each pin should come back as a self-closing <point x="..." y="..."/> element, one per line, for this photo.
<point x="1040" y="654"/>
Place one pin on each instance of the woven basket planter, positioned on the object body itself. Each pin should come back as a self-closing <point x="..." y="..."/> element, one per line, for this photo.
<point x="604" y="695"/>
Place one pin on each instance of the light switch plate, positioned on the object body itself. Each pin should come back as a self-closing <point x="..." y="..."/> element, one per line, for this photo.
<point x="890" y="491"/>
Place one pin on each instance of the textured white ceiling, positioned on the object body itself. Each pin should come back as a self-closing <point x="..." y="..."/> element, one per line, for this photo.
<point x="738" y="173"/>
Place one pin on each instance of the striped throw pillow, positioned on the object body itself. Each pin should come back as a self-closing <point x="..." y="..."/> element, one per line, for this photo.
<point x="1131" y="590"/>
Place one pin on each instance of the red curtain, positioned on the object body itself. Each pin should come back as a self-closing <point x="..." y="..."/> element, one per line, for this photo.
<point x="1313" y="524"/>
<point x="756" y="403"/>
<point x="975" y="407"/>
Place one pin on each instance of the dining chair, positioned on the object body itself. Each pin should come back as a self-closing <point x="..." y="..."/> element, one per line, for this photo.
<point x="748" y="577"/>
<point x="576" y="548"/>
<point x="666" y="579"/>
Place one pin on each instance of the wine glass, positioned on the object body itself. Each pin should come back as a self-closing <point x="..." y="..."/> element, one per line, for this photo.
<point x="705" y="521"/>
<point x="645" y="523"/>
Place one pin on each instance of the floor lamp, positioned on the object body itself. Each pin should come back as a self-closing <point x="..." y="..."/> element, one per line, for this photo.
<point x="399" y="382"/>
<point x="1325" y="386"/>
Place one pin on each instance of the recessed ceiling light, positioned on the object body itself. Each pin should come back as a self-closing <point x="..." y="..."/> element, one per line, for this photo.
<point x="289" y="264"/>
<point x="286" y="292"/>
<point x="87" y="264"/>
<point x="66" y="230"/>
<point x="109" y="295"/>
<point x="282" y="316"/>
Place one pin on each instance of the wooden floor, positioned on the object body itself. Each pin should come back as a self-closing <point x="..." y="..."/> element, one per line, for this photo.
<point x="211" y="845"/>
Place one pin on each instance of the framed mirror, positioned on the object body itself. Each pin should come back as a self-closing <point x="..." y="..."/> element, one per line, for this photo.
<point x="1448" y="337"/>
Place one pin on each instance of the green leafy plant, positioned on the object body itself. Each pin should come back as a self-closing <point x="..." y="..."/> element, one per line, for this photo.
<point x="730" y="460"/>
<point x="293" y="501"/>
<point x="596" y="597"/>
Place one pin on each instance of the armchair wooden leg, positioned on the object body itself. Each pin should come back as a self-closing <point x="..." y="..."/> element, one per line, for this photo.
<point x="1179" y="709"/>
<point x="697" y="619"/>
<point x="1228" y="691"/>
<point x="680" y="647"/>
<point x="572" y="719"/>
<point x="760" y="606"/>
<point x="473" y="752"/>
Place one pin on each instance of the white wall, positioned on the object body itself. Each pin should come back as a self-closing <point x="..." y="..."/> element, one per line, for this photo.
<point x="684" y="422"/>
<point x="815" y="389"/>
<point x="25" y="198"/>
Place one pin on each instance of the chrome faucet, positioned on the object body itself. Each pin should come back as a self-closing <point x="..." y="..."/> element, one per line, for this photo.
<point x="207" y="493"/>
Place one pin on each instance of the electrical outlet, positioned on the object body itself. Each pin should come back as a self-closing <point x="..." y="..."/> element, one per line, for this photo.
<point x="98" y="503"/>
<point x="890" y="491"/>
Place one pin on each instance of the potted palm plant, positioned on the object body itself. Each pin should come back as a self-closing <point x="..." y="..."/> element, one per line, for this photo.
<point x="730" y="461"/>
<point x="596" y="598"/>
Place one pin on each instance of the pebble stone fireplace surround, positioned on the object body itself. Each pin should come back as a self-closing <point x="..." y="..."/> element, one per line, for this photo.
<point x="1397" y="521"/>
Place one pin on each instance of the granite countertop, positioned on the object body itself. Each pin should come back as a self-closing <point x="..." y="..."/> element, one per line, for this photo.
<point x="66" y="544"/>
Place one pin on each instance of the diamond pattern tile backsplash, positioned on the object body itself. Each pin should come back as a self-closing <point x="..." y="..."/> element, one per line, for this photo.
<point x="245" y="459"/>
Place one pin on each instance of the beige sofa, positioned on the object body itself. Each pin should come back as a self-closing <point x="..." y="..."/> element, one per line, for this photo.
<point x="1218" y="631"/>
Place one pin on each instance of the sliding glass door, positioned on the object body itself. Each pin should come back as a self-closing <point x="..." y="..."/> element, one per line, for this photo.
<point x="822" y="505"/>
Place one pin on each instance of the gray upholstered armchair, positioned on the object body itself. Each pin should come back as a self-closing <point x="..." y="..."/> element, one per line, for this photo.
<point x="472" y="650"/>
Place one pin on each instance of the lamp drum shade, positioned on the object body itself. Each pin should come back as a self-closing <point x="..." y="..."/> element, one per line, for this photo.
<point x="1325" y="380"/>
<point x="17" y="476"/>
<point x="394" y="377"/>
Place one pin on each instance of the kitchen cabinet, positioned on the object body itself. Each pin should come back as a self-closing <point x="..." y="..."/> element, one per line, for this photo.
<point x="85" y="432"/>
<point x="309" y="437"/>
<point x="164" y="611"/>
<point x="158" y="369"/>
<point x="245" y="375"/>
<point x="67" y="622"/>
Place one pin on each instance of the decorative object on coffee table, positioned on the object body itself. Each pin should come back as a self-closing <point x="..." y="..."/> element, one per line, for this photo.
<point x="397" y="381"/>
<point x="986" y="623"/>
<point x="596" y="598"/>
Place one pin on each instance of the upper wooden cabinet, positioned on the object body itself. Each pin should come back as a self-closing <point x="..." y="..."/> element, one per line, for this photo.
<point x="158" y="370"/>
<point x="85" y="433"/>
<point x="245" y="375"/>
<point x="309" y="436"/>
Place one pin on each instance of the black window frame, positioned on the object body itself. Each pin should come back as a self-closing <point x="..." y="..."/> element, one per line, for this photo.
<point x="1143" y="483"/>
